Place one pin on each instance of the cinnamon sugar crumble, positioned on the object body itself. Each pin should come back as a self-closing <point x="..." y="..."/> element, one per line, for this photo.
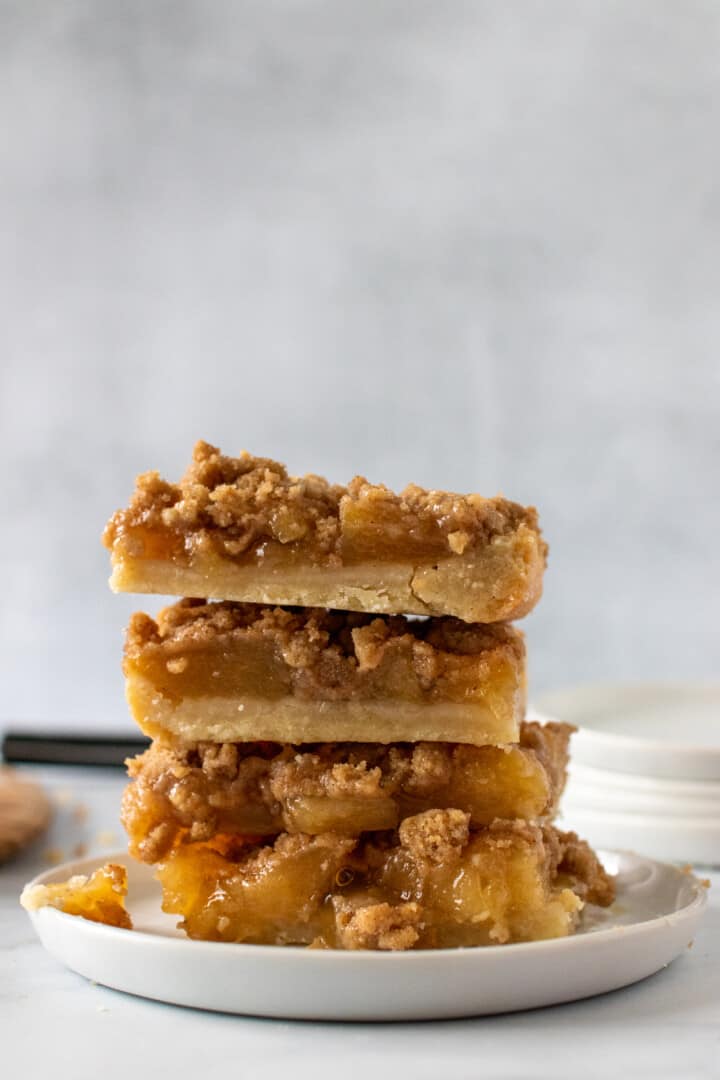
<point x="306" y="637"/>
<point x="579" y="861"/>
<point x="377" y="926"/>
<point x="237" y="503"/>
<point x="436" y="836"/>
<point x="338" y="769"/>
<point x="196" y="791"/>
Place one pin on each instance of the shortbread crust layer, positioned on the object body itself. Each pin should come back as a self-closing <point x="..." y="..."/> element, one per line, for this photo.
<point x="242" y="529"/>
<point x="226" y="672"/>
<point x="193" y="793"/>
<point x="432" y="884"/>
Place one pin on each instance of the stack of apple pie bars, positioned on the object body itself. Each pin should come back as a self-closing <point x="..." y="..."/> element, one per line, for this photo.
<point x="340" y="754"/>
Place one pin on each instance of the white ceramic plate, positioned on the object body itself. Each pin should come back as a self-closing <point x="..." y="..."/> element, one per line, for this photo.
<point x="653" y="920"/>
<point x="664" y="730"/>
<point x="645" y="768"/>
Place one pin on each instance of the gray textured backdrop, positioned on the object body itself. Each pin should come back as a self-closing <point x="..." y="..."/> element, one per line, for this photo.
<point x="473" y="245"/>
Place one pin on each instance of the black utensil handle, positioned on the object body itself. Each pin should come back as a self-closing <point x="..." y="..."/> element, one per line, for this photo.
<point x="63" y="749"/>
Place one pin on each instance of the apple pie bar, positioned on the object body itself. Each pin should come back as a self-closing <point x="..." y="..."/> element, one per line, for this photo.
<point x="435" y="883"/>
<point x="341" y="757"/>
<point x="243" y="529"/>
<point x="231" y="672"/>
<point x="202" y="792"/>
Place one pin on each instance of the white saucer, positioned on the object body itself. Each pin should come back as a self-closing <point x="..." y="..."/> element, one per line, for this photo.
<point x="663" y="730"/>
<point x="653" y="920"/>
<point x="645" y="767"/>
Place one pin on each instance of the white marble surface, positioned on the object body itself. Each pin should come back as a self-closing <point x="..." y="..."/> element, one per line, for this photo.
<point x="54" y="1023"/>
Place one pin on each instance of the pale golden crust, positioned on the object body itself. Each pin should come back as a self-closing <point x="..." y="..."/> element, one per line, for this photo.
<point x="197" y="792"/>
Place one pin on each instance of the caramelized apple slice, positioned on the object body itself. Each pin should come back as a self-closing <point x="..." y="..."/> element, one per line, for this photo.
<point x="270" y="897"/>
<point x="99" y="898"/>
<point x="433" y="884"/>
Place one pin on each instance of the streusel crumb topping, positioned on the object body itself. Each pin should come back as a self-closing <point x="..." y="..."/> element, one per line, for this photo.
<point x="304" y="635"/>
<point x="238" y="503"/>
<point x="195" y="791"/>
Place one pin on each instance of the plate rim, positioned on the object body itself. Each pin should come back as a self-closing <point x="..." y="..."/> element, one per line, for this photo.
<point x="545" y="705"/>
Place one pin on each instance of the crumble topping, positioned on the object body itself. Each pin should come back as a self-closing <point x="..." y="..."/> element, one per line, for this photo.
<point x="580" y="863"/>
<point x="335" y="645"/>
<point x="193" y="792"/>
<point x="238" y="503"/>
<point x="436" y="836"/>
<point x="287" y="847"/>
<point x="377" y="926"/>
<point x="340" y="769"/>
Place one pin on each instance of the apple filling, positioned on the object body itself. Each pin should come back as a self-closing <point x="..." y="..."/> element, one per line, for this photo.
<point x="432" y="884"/>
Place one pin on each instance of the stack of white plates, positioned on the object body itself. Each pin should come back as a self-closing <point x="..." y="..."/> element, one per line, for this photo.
<point x="645" y="768"/>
